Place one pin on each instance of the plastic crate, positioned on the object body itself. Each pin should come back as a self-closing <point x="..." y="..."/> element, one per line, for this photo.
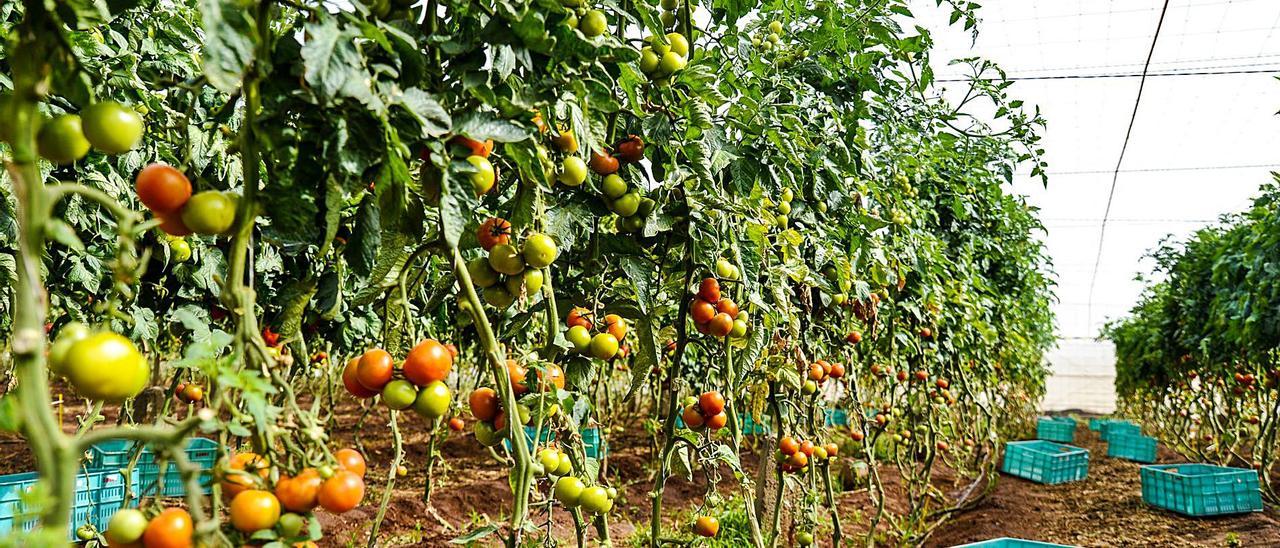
<point x="200" y="451"/>
<point x="593" y="444"/>
<point x="750" y="427"/>
<point x="1006" y="542"/>
<point x="1056" y="429"/>
<point x="1135" y="447"/>
<point x="98" y="494"/>
<point x="1201" y="489"/>
<point x="1095" y="424"/>
<point x="1118" y="428"/>
<point x="1045" y="461"/>
<point x="837" y="417"/>
<point x="546" y="437"/>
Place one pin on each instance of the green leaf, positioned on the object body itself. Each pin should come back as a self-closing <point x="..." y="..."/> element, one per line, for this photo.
<point x="475" y="534"/>
<point x="229" y="41"/>
<point x="333" y="64"/>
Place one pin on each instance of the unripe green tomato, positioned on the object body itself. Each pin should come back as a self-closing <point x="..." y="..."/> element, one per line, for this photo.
<point x="399" y="394"/>
<point x="209" y="212"/>
<point x="486" y="435"/>
<point x="775" y="27"/>
<point x="724" y="268"/>
<point x="672" y="63"/>
<point x="787" y="195"/>
<point x="126" y="526"/>
<point x="593" y="24"/>
<point x="634" y="223"/>
<point x="784" y="208"/>
<point x="180" y="250"/>
<point x="580" y="337"/>
<point x="679" y="44"/>
<point x="67" y="336"/>
<point x="531" y="280"/>
<point x="483" y="178"/>
<point x="111" y="127"/>
<point x="809" y="387"/>
<point x="612" y="492"/>
<point x="549" y="459"/>
<point x="540" y="250"/>
<point x="739" y="329"/>
<point x="648" y="60"/>
<point x="822" y="207"/>
<point x="571" y="3"/>
<point x="804" y="538"/>
<point x="106" y="366"/>
<point x="781" y="222"/>
<point x="668" y="19"/>
<point x="573" y="171"/>
<point x="613" y="186"/>
<point x="755" y="41"/>
<point x="482" y="274"/>
<point x="596" y="500"/>
<point x="627" y="205"/>
<point x="84" y="532"/>
<point x="670" y="5"/>
<point x="772" y="38"/>
<point x="571" y="20"/>
<point x="647" y="205"/>
<point x="506" y="259"/>
<point x="290" y="525"/>
<point x="566" y="465"/>
<point x="766" y="47"/>
<point x="433" y="400"/>
<point x="604" y="346"/>
<point x="61" y="140"/>
<point x="839" y="298"/>
<point x="820" y="453"/>
<point x="498" y="297"/>
<point x="568" y="491"/>
<point x="688" y="401"/>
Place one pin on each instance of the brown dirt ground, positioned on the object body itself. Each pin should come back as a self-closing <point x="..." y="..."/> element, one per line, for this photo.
<point x="1103" y="510"/>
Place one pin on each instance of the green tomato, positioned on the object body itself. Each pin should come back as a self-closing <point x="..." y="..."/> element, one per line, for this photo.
<point x="772" y="38"/>
<point x="126" y="526"/>
<point x="290" y="525"/>
<point x="668" y="19"/>
<point x="540" y="250"/>
<point x="210" y="212"/>
<point x="787" y="195"/>
<point x="604" y="346"/>
<point x="612" y="492"/>
<point x="822" y="207"/>
<point x="571" y="21"/>
<point x="531" y="281"/>
<point x="106" y="366"/>
<point x="724" y="268"/>
<point x="433" y="402"/>
<point x="784" y="208"/>
<point x="549" y="459"/>
<point x="804" y="538"/>
<point x="679" y="44"/>
<point x="111" y="127"/>
<point x="573" y="171"/>
<point x="566" y="464"/>
<point x="670" y="5"/>
<point x="739" y="329"/>
<point x="672" y="63"/>
<point x="180" y="250"/>
<point x="571" y="3"/>
<point x="648" y="60"/>
<point x="634" y="223"/>
<point x="593" y="24"/>
<point x="67" y="336"/>
<point x="486" y="435"/>
<point x="506" y="259"/>
<point x="569" y="490"/>
<point x="482" y="274"/>
<point x="627" y="205"/>
<point x="647" y="205"/>
<point x="499" y="297"/>
<point x="613" y="186"/>
<point x="775" y="27"/>
<point x="61" y="140"/>
<point x="484" y="177"/>
<point x="85" y="532"/>
<point x="781" y="222"/>
<point x="399" y="394"/>
<point x="596" y="500"/>
<point x="580" y="337"/>
<point x="809" y="387"/>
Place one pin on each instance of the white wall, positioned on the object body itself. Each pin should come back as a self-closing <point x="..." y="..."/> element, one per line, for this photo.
<point x="1082" y="376"/>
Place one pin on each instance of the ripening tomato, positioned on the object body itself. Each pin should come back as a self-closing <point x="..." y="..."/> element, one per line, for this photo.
<point x="342" y="492"/>
<point x="456" y="424"/>
<point x="492" y="232"/>
<point x="573" y="171"/>
<point x="706" y="526"/>
<point x="516" y="373"/>
<point x="351" y="460"/>
<point x="603" y="163"/>
<point x="298" y="493"/>
<point x="816" y="372"/>
<point x="717" y="421"/>
<point x="701" y="311"/>
<point x="374" y="370"/>
<point x="233" y="482"/>
<point x="604" y="346"/>
<point x="428" y="362"/>
<point x="193" y="393"/>
<point x="711" y="403"/>
<point x="565" y="141"/>
<point x="616" y="326"/>
<point x="172" y="225"/>
<point x="709" y="290"/>
<point x="788" y="445"/>
<point x="579" y="316"/>
<point x="552" y="374"/>
<point x="353" y="385"/>
<point x="798" y="459"/>
<point x="474" y="147"/>
<point x="630" y="150"/>
<point x="832" y="449"/>
<point x="720" y="325"/>
<point x="693" y="418"/>
<point x="111" y="127"/>
<point x="162" y="188"/>
<point x="106" y="366"/>
<point x="210" y="212"/>
<point x="837" y="370"/>
<point x="254" y="510"/>
<point x="728" y="307"/>
<point x="173" y="528"/>
<point x="484" y="404"/>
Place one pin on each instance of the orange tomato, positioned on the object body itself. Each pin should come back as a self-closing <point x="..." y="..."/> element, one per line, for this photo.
<point x="720" y="325"/>
<point x="717" y="421"/>
<point x="493" y="232"/>
<point x="727" y="306"/>
<point x="702" y="311"/>
<point x="350" y="460"/>
<point x="374" y="370"/>
<point x="616" y="326"/>
<point x="427" y="362"/>
<point x="517" y="374"/>
<point x="353" y="385"/>
<point x="579" y="316"/>
<point x="298" y="493"/>
<point x="342" y="492"/>
<point x="484" y="404"/>
<point x="692" y="418"/>
<point x="171" y="529"/>
<point x="476" y="148"/>
<point x="162" y="188"/>
<point x="249" y="463"/>
<point x="788" y="445"/>
<point x="711" y="403"/>
<point x="254" y="510"/>
<point x="709" y="290"/>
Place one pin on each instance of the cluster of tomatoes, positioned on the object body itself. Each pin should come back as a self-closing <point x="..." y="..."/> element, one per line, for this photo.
<point x="590" y="22"/>
<point x="100" y="365"/>
<point x="818" y="372"/>
<point x="509" y="271"/>
<point x="705" y="411"/>
<point x="572" y="492"/>
<point x="485" y="177"/>
<point x="715" y="315"/>
<point x="796" y="455"/>
<point x="189" y="392"/>
<point x="605" y="345"/>
<point x="106" y="125"/>
<point x="663" y="57"/>
<point x="782" y="210"/>
<point x="422" y="384"/>
<point x="166" y="191"/>
<point x="486" y="405"/>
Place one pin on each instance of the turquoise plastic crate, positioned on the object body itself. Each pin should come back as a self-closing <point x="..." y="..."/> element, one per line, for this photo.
<point x="529" y="431"/>
<point x="1061" y="429"/>
<point x="1201" y="489"/>
<point x="1135" y="447"/>
<point x="1045" y="461"/>
<point x="594" y="445"/>
<point x="98" y="494"/>
<point x="837" y="417"/>
<point x="1095" y="424"/>
<point x="1118" y="428"/>
<point x="1006" y="542"/>
<point x="115" y="454"/>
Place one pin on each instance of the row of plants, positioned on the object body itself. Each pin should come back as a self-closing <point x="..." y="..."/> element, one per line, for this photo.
<point x="1196" y="357"/>
<point x="534" y="220"/>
